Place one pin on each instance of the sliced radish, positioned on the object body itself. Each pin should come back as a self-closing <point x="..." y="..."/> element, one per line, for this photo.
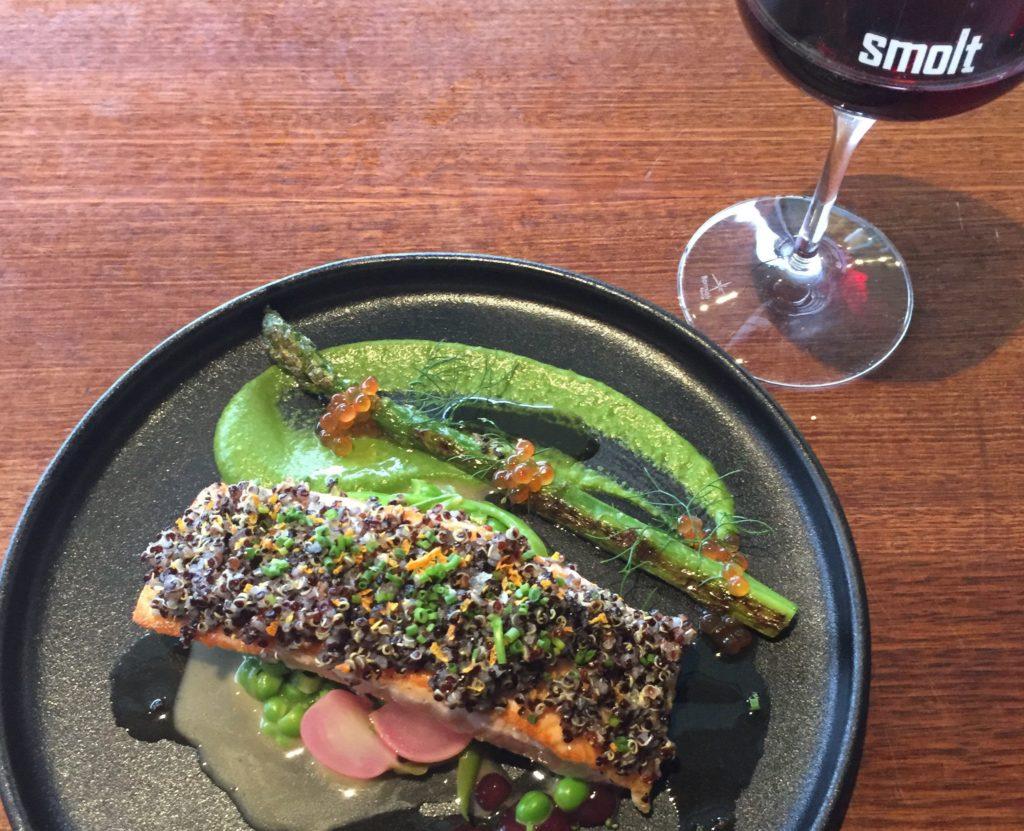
<point x="338" y="734"/>
<point x="416" y="733"/>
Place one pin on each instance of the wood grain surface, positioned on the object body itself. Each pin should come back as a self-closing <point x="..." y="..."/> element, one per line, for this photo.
<point x="158" y="158"/>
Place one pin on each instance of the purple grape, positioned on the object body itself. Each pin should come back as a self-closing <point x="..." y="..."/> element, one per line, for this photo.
<point x="598" y="808"/>
<point x="557" y="821"/>
<point x="492" y="790"/>
<point x="508" y="823"/>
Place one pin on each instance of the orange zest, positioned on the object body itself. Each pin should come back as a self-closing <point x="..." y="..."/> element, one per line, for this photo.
<point x="433" y="556"/>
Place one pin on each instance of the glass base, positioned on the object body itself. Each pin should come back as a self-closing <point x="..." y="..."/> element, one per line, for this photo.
<point x="789" y="320"/>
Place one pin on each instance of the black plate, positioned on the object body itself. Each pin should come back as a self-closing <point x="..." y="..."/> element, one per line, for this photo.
<point x="144" y="450"/>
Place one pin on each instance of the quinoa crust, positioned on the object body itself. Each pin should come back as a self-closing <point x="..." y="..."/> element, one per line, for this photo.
<point x="426" y="604"/>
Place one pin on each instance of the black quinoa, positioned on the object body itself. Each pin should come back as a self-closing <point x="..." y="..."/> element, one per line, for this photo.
<point x="392" y="588"/>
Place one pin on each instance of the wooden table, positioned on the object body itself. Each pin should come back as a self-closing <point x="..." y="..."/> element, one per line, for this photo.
<point x="157" y="159"/>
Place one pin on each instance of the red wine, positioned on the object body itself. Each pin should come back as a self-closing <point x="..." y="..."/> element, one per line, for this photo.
<point x="895" y="59"/>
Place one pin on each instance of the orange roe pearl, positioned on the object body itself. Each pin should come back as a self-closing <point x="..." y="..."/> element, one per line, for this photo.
<point x="716" y="554"/>
<point x="740" y="560"/>
<point x="524" y="452"/>
<point x="545" y="474"/>
<point x="730" y="542"/>
<point x="521" y="475"/>
<point x="690" y="527"/>
<point x="731" y="571"/>
<point x="329" y="422"/>
<point x="738" y="586"/>
<point x="342" y="445"/>
<point x="348" y="413"/>
<point x="519" y="495"/>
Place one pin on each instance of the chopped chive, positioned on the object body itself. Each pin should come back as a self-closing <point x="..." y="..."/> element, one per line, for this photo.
<point x="275" y="568"/>
<point x="499" y="639"/>
<point x="585" y="656"/>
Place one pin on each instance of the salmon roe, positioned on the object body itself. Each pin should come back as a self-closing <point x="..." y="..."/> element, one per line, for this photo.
<point x="734" y="564"/>
<point x="734" y="575"/>
<point x="690" y="527"/>
<point x="348" y="414"/>
<point x="521" y="475"/>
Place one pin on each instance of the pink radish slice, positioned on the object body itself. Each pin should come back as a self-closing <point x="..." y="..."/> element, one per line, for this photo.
<point x="338" y="734"/>
<point x="416" y="733"/>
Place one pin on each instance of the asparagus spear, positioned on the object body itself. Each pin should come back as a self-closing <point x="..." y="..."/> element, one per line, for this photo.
<point x="568" y="504"/>
<point x="565" y="501"/>
<point x="297" y="355"/>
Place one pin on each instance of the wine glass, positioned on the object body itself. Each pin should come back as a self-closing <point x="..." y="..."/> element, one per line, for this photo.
<point x="799" y="291"/>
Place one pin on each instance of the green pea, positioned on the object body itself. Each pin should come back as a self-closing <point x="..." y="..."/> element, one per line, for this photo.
<point x="288" y="725"/>
<point x="570" y="793"/>
<point x="292" y="692"/>
<point x="266" y="686"/>
<point x="309" y="684"/>
<point x="533" y="808"/>
<point x="275" y="668"/>
<point x="322" y="693"/>
<point x="252" y="662"/>
<point x="274" y="708"/>
<point x="267" y="727"/>
<point x="244" y="677"/>
<point x="284" y="741"/>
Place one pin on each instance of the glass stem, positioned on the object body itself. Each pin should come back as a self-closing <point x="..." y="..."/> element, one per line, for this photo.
<point x="847" y="131"/>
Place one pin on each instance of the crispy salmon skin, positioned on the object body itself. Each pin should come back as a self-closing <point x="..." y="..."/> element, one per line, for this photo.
<point x="427" y="607"/>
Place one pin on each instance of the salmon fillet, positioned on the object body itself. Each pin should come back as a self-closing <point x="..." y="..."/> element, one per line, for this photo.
<point x="429" y="608"/>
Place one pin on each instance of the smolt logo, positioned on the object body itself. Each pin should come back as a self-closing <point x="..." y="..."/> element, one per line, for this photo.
<point x="921" y="58"/>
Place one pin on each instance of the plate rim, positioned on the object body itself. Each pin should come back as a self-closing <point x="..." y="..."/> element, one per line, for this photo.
<point x="837" y="788"/>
